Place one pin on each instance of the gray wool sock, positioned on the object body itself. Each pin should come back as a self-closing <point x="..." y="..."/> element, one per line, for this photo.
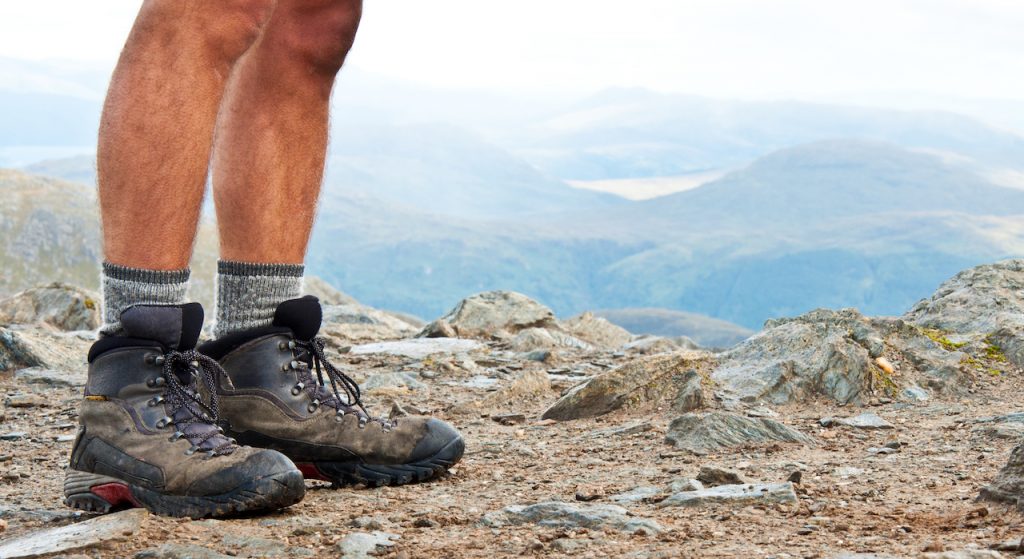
<point x="248" y="294"/>
<point x="124" y="287"/>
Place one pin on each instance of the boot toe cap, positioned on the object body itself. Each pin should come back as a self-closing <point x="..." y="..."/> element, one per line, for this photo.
<point x="256" y="466"/>
<point x="441" y="441"/>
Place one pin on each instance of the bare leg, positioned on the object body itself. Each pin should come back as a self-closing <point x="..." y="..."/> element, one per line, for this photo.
<point x="271" y="140"/>
<point x="157" y="126"/>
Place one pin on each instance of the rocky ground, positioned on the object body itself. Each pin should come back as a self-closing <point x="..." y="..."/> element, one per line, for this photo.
<point x="827" y="435"/>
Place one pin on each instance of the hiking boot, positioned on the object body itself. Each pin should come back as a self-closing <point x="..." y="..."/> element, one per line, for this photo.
<point x="147" y="436"/>
<point x="278" y="397"/>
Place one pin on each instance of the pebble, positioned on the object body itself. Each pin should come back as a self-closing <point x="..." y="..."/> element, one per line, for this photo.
<point x="13" y="436"/>
<point x="862" y="421"/>
<point x="713" y="476"/>
<point x="509" y="418"/>
<point x="361" y="545"/>
<point x="557" y="514"/>
<point x="745" y="494"/>
<point x="23" y="401"/>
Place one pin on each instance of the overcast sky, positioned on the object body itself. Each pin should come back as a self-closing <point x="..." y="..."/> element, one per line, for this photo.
<point x="746" y="49"/>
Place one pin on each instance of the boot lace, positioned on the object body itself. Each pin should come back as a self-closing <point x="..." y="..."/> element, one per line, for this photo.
<point x="193" y="418"/>
<point x="344" y="395"/>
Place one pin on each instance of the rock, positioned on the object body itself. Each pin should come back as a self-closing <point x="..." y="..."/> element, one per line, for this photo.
<point x="361" y="545"/>
<point x="346" y="323"/>
<point x="13" y="436"/>
<point x="702" y="433"/>
<point x="815" y="354"/>
<point x="76" y="536"/>
<point x="256" y="547"/>
<point x="392" y="380"/>
<point x="691" y="395"/>
<point x="1008" y="485"/>
<point x="862" y="421"/>
<point x="325" y="292"/>
<point x="180" y="551"/>
<point x="986" y="301"/>
<point x="438" y="329"/>
<point x="23" y="400"/>
<point x="533" y="339"/>
<point x="638" y="494"/>
<point x="647" y="379"/>
<point x="739" y="495"/>
<point x="42" y="375"/>
<point x="61" y="306"/>
<point x="23" y="346"/>
<point x="597" y="331"/>
<point x="652" y="345"/>
<point x="713" y="476"/>
<point x="557" y="514"/>
<point x="509" y="418"/>
<point x="498" y="314"/>
<point x="419" y="348"/>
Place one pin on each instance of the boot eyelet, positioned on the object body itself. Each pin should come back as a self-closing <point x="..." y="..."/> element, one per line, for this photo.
<point x="297" y="389"/>
<point x="294" y="364"/>
<point x="164" y="422"/>
<point x="339" y="417"/>
<point x="313" y="406"/>
<point x="155" y="401"/>
<point x="285" y="368"/>
<point x="191" y="450"/>
<point x="291" y="344"/>
<point x="177" y="435"/>
<point x="159" y="360"/>
<point x="362" y="423"/>
<point x="283" y="346"/>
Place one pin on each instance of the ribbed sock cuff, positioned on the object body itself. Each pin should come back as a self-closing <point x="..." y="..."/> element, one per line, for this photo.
<point x="248" y="293"/>
<point x="123" y="287"/>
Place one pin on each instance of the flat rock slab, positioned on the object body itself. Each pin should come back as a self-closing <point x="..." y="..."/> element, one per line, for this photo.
<point x="702" y="433"/>
<point x="740" y="495"/>
<point x="862" y="421"/>
<point x="75" y="536"/>
<point x="559" y="514"/>
<point x="418" y="348"/>
<point x="180" y="551"/>
<point x="361" y="545"/>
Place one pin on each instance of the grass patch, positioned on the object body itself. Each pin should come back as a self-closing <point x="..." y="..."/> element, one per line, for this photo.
<point x="994" y="352"/>
<point x="940" y="338"/>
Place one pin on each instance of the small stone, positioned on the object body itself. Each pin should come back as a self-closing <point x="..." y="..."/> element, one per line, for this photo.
<point x="65" y="438"/>
<point x="588" y="493"/>
<point x="885" y="365"/>
<point x="13" y="436"/>
<point x="361" y="545"/>
<point x="795" y="477"/>
<point x="424" y="522"/>
<point x="882" y="450"/>
<point x="52" y="377"/>
<point x="712" y="476"/>
<point x="862" y="421"/>
<point x="623" y="430"/>
<point x="702" y="433"/>
<point x="23" y="401"/>
<point x="638" y="494"/>
<point x="509" y="418"/>
<point x="180" y="551"/>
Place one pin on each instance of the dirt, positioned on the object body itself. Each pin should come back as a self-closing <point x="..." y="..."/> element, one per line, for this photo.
<point x="920" y="498"/>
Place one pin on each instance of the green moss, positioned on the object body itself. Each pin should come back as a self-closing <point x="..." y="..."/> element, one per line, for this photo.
<point x="885" y="382"/>
<point x="940" y="338"/>
<point x="994" y="352"/>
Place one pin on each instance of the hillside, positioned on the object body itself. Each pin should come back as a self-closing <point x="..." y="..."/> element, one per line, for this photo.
<point x="706" y="331"/>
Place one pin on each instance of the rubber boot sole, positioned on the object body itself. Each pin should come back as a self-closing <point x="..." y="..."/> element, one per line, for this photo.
<point x="99" y="493"/>
<point x="343" y="474"/>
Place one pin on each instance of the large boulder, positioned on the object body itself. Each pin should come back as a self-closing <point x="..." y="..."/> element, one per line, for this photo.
<point x="983" y="302"/>
<point x="597" y="331"/>
<point x="348" y="323"/>
<point x="840" y="355"/>
<point x="22" y="347"/>
<point x="498" y="315"/>
<point x="61" y="306"/>
<point x="702" y="433"/>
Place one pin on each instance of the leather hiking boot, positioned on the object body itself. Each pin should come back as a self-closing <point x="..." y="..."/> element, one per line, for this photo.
<point x="148" y="437"/>
<point x="284" y="394"/>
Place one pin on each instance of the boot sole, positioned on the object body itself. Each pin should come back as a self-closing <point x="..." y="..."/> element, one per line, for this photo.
<point x="343" y="474"/>
<point x="99" y="493"/>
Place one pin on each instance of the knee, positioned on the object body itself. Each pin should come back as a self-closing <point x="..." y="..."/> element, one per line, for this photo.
<point x="318" y="33"/>
<point x="225" y="29"/>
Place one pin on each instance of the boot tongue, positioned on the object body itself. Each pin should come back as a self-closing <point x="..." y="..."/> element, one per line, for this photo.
<point x="302" y="316"/>
<point x="176" y="327"/>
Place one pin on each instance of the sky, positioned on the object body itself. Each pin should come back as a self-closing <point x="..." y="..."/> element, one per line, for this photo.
<point x="805" y="49"/>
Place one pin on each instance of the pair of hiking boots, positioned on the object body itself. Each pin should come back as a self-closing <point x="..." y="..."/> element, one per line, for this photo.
<point x="233" y="425"/>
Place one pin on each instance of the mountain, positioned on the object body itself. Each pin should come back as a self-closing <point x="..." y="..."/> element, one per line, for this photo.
<point x="706" y="331"/>
<point x="627" y="133"/>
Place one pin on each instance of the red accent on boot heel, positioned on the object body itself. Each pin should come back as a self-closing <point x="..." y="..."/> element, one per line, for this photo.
<point x="310" y="471"/>
<point x="114" y="493"/>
